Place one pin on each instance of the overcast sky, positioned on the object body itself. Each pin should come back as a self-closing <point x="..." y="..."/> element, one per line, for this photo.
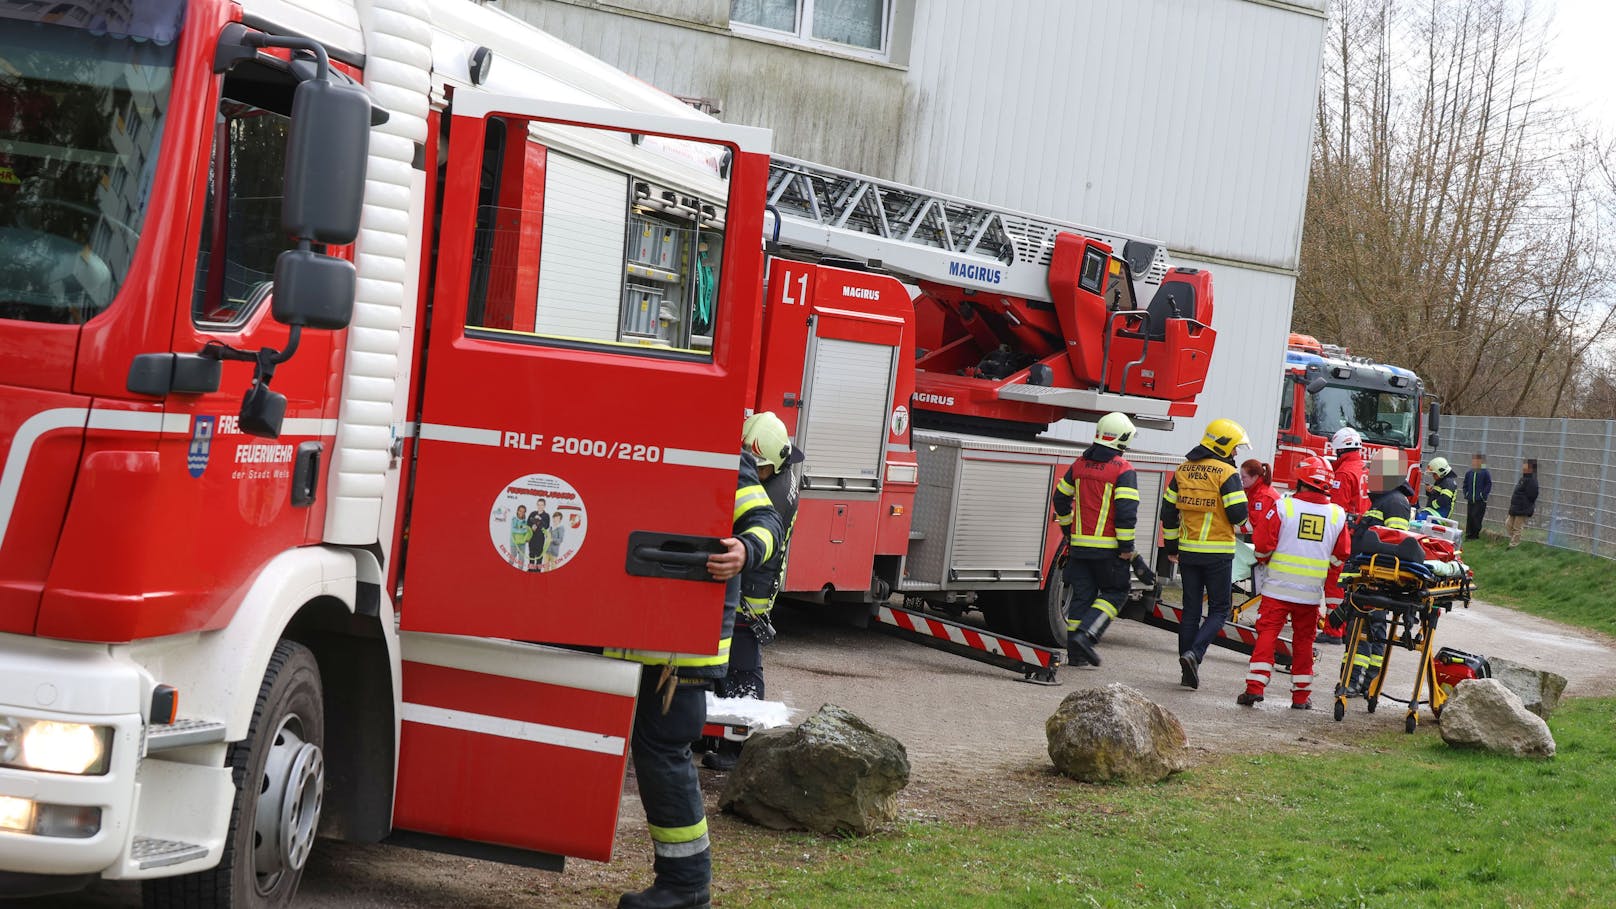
<point x="1584" y="52"/>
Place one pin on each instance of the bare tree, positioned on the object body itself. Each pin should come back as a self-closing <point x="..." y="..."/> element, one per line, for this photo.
<point x="1455" y="213"/>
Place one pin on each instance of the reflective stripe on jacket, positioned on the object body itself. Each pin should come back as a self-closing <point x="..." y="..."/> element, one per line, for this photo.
<point x="757" y="525"/>
<point x="1390" y="508"/>
<point x="760" y="586"/>
<point x="1106" y="497"/>
<point x="1202" y="506"/>
<point x="1441" y="495"/>
<point x="1305" y="551"/>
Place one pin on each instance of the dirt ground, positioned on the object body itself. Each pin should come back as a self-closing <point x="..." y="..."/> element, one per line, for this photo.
<point x="975" y="736"/>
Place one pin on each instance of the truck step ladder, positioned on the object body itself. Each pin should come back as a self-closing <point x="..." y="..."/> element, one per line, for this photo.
<point x="1036" y="664"/>
<point x="183" y="733"/>
<point x="150" y="852"/>
<point x="928" y="235"/>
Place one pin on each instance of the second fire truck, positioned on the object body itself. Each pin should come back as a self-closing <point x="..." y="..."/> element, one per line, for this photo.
<point x="1325" y="388"/>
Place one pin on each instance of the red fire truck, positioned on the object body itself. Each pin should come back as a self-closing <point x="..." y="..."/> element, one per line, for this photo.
<point x="226" y="455"/>
<point x="350" y="347"/>
<point x="1326" y="388"/>
<point x="919" y="402"/>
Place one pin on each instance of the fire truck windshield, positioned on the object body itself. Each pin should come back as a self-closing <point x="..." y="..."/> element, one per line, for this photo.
<point x="83" y="90"/>
<point x="1383" y="417"/>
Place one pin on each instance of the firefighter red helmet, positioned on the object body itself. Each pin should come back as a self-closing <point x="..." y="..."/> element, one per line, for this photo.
<point x="1315" y="472"/>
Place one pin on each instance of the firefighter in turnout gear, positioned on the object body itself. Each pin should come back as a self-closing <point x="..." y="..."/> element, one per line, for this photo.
<point x="1097" y="501"/>
<point x="1444" y="488"/>
<point x="1201" y="508"/>
<point x="1303" y="542"/>
<point x="1350" y="490"/>
<point x="765" y="436"/>
<point x="1391" y="505"/>
<point x="672" y="708"/>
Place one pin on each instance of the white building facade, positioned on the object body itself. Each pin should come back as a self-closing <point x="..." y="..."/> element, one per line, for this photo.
<point x="1186" y="121"/>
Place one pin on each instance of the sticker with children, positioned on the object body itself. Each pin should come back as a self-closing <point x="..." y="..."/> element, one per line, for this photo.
<point x="537" y="522"/>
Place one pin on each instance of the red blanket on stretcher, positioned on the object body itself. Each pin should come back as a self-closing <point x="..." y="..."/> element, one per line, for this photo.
<point x="1436" y="549"/>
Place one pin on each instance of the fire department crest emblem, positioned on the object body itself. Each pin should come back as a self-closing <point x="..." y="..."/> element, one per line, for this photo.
<point x="196" y="457"/>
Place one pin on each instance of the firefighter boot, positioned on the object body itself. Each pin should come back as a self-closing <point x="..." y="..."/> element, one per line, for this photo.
<point x="681" y="883"/>
<point x="1189" y="670"/>
<point x="723" y="758"/>
<point x="1080" y="642"/>
<point x="658" y="896"/>
<point x="1080" y="649"/>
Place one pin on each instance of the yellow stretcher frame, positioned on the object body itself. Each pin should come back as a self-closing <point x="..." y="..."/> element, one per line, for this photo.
<point x="1415" y="606"/>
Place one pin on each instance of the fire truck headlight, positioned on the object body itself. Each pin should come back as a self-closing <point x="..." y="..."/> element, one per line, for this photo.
<point x="16" y="815"/>
<point x="56" y="747"/>
<point x="62" y="821"/>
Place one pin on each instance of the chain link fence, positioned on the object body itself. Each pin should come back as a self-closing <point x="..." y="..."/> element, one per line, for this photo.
<point x="1576" y="503"/>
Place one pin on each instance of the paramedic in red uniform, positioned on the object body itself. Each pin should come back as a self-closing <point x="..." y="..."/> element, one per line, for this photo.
<point x="1097" y="501"/>
<point x="1303" y="542"/>
<point x="672" y="709"/>
<point x="1261" y="496"/>
<point x="1350" y="490"/>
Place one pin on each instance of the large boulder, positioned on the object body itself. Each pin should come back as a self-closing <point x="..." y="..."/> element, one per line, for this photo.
<point x="1485" y="714"/>
<point x="834" y="774"/>
<point x="1538" y="689"/>
<point x="1114" y="733"/>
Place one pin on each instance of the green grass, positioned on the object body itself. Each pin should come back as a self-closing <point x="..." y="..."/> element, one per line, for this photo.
<point x="1398" y="821"/>
<point x="1571" y="587"/>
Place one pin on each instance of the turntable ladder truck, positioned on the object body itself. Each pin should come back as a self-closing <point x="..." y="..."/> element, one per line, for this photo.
<point x="917" y="345"/>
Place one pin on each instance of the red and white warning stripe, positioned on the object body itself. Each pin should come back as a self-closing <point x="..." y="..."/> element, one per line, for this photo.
<point x="1243" y="635"/>
<point x="965" y="636"/>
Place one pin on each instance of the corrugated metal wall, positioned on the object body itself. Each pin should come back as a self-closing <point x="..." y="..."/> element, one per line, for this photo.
<point x="1188" y="121"/>
<point x="1183" y="120"/>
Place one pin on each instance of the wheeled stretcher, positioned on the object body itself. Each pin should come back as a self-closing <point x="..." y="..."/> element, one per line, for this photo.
<point x="1408" y="581"/>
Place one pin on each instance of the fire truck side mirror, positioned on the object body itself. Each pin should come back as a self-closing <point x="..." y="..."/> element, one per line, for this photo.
<point x="1433" y="441"/>
<point x="313" y="290"/>
<point x="326" y="151"/>
<point x="1318" y="384"/>
<point x="1434" y="422"/>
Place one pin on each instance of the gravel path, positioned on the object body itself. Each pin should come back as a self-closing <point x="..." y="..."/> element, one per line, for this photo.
<point x="975" y="739"/>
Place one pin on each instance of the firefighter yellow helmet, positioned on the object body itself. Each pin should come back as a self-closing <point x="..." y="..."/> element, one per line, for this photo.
<point x="1114" y="430"/>
<point x="1440" y="467"/>
<point x="765" y="436"/>
<point x="1222" y="436"/>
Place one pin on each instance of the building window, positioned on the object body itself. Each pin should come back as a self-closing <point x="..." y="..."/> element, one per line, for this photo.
<point x="859" y="26"/>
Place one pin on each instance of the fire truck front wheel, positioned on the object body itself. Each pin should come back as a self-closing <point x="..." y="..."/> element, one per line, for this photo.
<point x="1042" y="618"/>
<point x="279" y="772"/>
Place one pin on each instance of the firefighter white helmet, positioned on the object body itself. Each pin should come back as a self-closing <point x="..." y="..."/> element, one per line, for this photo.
<point x="1440" y="467"/>
<point x="1345" y="439"/>
<point x="765" y="436"/>
<point x="1114" y="430"/>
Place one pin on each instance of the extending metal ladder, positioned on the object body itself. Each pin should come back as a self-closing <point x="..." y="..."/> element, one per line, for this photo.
<point x="931" y="236"/>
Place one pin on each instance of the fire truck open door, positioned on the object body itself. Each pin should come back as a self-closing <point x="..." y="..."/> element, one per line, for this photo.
<point x="590" y="343"/>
